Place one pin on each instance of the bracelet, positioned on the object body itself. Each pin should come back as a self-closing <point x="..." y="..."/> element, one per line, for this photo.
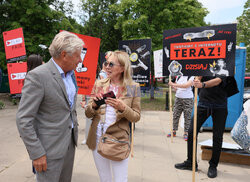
<point x="203" y="85"/>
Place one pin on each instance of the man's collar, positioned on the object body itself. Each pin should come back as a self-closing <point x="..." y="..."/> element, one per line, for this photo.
<point x="60" y="69"/>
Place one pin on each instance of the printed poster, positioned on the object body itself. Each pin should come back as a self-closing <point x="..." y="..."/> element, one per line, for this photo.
<point x="158" y="63"/>
<point x="201" y="51"/>
<point x="14" y="45"/>
<point x="86" y="71"/>
<point x="16" y="74"/>
<point x="139" y="53"/>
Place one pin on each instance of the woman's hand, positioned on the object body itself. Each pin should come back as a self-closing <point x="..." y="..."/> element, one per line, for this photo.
<point x="98" y="97"/>
<point x="116" y="103"/>
<point x="170" y="83"/>
<point x="83" y="104"/>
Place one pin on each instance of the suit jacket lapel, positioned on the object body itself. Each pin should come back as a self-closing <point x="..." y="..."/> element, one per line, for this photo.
<point x="58" y="78"/>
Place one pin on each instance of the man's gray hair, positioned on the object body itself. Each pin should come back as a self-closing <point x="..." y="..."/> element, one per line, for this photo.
<point x="65" y="41"/>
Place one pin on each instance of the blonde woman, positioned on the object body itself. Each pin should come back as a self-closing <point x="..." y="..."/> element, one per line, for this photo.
<point x="117" y="113"/>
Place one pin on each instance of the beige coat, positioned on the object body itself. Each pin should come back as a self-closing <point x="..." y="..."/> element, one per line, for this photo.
<point x="120" y="128"/>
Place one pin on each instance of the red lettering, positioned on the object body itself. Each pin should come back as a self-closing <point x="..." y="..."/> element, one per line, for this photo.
<point x="196" y="66"/>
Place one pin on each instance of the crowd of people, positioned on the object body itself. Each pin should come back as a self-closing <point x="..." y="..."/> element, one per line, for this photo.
<point x="47" y="119"/>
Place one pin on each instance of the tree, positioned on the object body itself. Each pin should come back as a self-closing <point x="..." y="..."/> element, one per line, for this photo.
<point x="141" y="19"/>
<point x="99" y="20"/>
<point x="148" y="19"/>
<point x="243" y="34"/>
<point x="113" y="20"/>
<point x="41" y="20"/>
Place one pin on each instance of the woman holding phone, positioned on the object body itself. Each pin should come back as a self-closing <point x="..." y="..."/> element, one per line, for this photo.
<point x="121" y="106"/>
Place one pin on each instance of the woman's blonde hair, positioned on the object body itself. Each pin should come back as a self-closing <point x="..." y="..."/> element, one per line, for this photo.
<point x="123" y="59"/>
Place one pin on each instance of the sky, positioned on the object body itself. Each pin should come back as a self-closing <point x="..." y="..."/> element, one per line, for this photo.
<point x="223" y="11"/>
<point x="220" y="11"/>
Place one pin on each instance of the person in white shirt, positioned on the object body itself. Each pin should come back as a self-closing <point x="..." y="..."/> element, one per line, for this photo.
<point x="183" y="103"/>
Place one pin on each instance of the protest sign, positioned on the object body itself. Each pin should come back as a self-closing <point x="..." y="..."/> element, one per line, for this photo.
<point x="86" y="71"/>
<point x="158" y="63"/>
<point x="14" y="45"/>
<point x="16" y="74"/>
<point x="139" y="53"/>
<point x="200" y="51"/>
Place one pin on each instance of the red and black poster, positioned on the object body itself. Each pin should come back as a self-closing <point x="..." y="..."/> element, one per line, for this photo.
<point x="16" y="74"/>
<point x="201" y="51"/>
<point x="86" y="71"/>
<point x="14" y="45"/>
<point x="139" y="53"/>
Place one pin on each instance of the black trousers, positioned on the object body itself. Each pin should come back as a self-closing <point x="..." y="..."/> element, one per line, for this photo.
<point x="219" y="116"/>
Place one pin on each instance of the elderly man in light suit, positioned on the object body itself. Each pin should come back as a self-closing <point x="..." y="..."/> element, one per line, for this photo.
<point x="46" y="117"/>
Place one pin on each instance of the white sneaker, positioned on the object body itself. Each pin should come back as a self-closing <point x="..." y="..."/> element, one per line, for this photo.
<point x="83" y="142"/>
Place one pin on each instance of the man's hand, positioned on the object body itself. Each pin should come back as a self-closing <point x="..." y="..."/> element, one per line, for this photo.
<point x="197" y="83"/>
<point x="40" y="164"/>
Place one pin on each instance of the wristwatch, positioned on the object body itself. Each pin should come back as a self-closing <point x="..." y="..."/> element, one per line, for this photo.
<point x="203" y="85"/>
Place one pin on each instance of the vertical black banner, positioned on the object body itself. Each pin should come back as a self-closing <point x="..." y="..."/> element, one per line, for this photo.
<point x="201" y="51"/>
<point x="140" y="53"/>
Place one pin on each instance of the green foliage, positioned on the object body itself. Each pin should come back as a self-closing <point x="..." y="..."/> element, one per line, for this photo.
<point x="148" y="19"/>
<point x="99" y="19"/>
<point x="14" y="101"/>
<point x="141" y="19"/>
<point x="243" y="34"/>
<point x="113" y="20"/>
<point x="2" y="105"/>
<point x="40" y="20"/>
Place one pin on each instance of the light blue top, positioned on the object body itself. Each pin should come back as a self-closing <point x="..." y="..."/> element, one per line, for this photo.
<point x="103" y="74"/>
<point x="68" y="83"/>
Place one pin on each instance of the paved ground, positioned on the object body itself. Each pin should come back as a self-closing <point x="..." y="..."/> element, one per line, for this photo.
<point x="154" y="154"/>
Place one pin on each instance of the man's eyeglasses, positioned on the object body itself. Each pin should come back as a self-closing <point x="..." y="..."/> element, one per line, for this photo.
<point x="110" y="64"/>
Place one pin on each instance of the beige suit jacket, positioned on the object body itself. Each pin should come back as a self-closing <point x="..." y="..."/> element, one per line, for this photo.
<point x="120" y="129"/>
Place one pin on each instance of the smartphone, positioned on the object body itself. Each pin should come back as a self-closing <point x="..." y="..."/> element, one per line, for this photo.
<point x="105" y="96"/>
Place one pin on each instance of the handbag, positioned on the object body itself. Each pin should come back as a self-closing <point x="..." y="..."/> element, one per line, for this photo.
<point x="240" y="133"/>
<point x="231" y="86"/>
<point x="112" y="148"/>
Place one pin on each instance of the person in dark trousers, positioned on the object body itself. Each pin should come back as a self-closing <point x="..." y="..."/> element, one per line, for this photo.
<point x="212" y="102"/>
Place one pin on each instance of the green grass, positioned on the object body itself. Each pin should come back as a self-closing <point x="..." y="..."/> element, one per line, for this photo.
<point x="156" y="104"/>
<point x="2" y="105"/>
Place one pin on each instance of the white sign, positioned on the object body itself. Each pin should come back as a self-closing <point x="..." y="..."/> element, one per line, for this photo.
<point x="18" y="76"/>
<point x="158" y="63"/>
<point x="14" y="41"/>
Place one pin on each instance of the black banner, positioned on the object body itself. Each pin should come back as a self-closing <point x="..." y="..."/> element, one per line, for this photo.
<point x="140" y="53"/>
<point x="201" y="51"/>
